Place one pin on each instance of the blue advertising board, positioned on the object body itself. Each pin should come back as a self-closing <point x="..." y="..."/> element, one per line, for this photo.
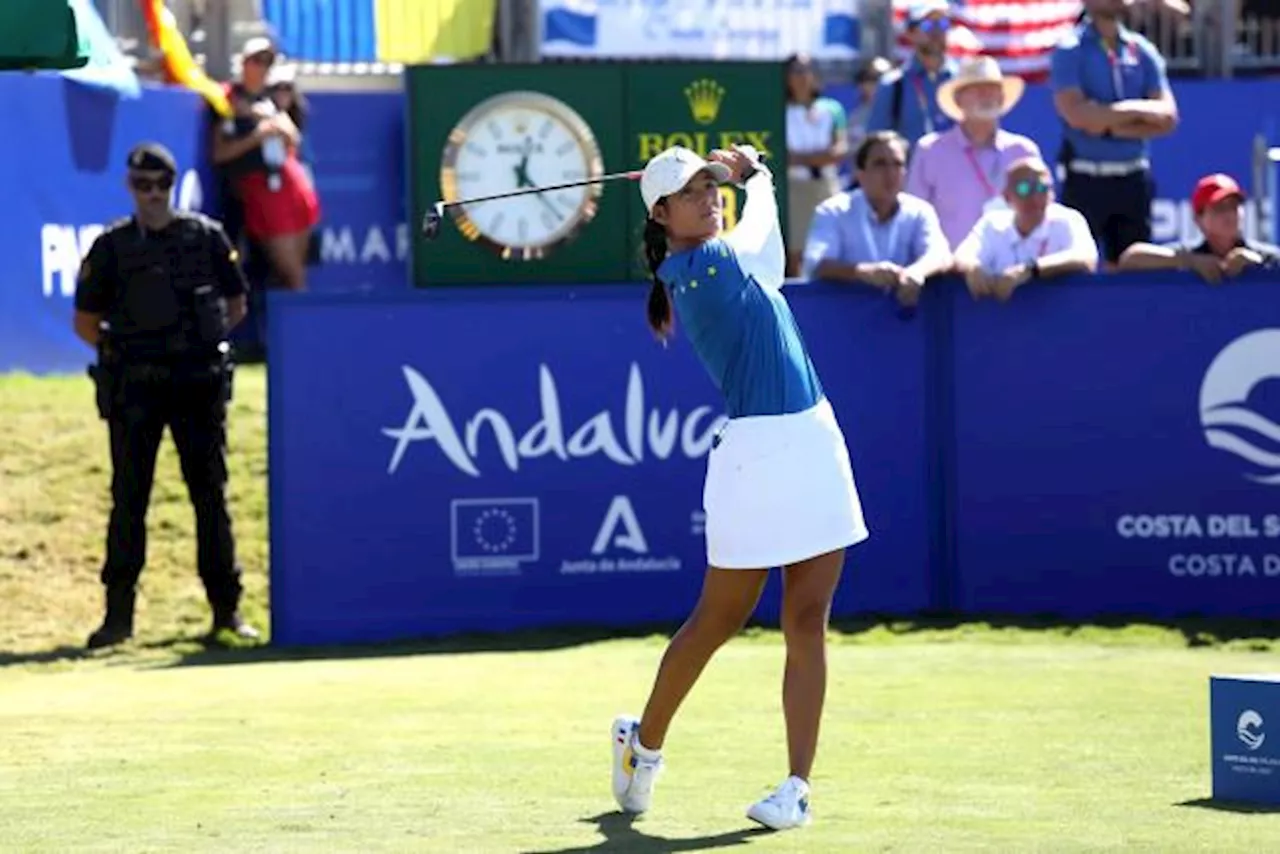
<point x="64" y="179"/>
<point x="1116" y="449"/>
<point x="356" y="141"/>
<point x="487" y="460"/>
<point x="498" y="458"/>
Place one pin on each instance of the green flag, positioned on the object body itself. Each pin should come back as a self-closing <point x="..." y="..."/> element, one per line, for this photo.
<point x="37" y="34"/>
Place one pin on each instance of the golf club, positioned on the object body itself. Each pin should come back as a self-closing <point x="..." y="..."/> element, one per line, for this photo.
<point x="432" y="218"/>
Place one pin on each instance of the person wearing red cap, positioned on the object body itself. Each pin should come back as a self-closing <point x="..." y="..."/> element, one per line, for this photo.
<point x="1224" y="251"/>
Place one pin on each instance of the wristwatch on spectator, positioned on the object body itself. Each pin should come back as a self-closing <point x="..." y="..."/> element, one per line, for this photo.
<point x="1033" y="269"/>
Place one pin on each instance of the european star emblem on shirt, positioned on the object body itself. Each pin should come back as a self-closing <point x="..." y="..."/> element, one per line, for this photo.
<point x="711" y="271"/>
<point x="693" y="284"/>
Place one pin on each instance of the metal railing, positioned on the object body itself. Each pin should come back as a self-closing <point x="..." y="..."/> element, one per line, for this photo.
<point x="1253" y="35"/>
<point x="1217" y="38"/>
<point x="1179" y="37"/>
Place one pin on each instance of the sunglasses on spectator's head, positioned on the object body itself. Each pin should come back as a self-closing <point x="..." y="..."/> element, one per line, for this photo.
<point x="146" y="185"/>
<point x="934" y="25"/>
<point x="1026" y="187"/>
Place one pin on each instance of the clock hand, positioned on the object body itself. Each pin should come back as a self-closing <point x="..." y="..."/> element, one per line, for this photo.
<point x="531" y="185"/>
<point x="550" y="207"/>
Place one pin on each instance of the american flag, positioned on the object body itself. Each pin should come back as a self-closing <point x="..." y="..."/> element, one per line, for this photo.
<point x="1020" y="34"/>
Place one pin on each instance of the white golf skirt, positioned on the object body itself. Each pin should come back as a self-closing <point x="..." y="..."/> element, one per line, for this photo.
<point x="779" y="490"/>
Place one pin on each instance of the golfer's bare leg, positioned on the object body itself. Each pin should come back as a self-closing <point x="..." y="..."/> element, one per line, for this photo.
<point x="728" y="598"/>
<point x="808" y="588"/>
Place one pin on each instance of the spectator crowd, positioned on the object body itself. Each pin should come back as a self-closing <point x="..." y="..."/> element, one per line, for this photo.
<point x="938" y="185"/>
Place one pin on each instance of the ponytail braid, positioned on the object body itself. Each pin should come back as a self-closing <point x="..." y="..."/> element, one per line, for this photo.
<point x="655" y="252"/>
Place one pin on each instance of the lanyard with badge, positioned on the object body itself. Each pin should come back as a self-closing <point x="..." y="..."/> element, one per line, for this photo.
<point x="869" y="235"/>
<point x="994" y="201"/>
<point x="1115" y="61"/>
<point x="923" y="100"/>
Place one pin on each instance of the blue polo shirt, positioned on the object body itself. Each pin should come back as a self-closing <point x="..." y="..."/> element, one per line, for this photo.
<point x="743" y="332"/>
<point x="920" y="113"/>
<point x="1136" y="71"/>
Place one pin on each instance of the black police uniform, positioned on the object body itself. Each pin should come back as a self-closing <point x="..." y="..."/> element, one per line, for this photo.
<point x="163" y="361"/>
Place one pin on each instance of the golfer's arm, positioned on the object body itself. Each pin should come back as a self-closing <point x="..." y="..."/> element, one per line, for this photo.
<point x="757" y="238"/>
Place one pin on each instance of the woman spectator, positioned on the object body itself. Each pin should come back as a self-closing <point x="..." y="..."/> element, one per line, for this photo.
<point x="258" y="148"/>
<point x="816" y="144"/>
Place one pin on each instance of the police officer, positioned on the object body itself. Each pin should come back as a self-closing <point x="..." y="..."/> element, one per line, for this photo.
<point x="157" y="295"/>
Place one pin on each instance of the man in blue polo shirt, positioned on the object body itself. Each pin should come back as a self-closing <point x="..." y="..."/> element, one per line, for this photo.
<point x="1111" y="90"/>
<point x="906" y="101"/>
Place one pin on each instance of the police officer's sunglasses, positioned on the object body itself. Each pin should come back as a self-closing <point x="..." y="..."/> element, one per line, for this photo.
<point x="1026" y="188"/>
<point x="934" y="25"/>
<point x="146" y="185"/>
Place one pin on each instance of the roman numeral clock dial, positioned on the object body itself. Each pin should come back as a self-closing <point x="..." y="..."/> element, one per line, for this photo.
<point x="521" y="141"/>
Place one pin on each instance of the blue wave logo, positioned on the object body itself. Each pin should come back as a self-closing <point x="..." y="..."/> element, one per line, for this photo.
<point x="1229" y="423"/>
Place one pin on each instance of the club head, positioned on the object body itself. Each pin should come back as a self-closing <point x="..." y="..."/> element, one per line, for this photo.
<point x="431" y="221"/>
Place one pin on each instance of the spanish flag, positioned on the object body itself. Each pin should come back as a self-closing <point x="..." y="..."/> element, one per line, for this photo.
<point x="179" y="65"/>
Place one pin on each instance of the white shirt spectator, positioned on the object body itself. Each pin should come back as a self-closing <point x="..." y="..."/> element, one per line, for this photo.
<point x="996" y="244"/>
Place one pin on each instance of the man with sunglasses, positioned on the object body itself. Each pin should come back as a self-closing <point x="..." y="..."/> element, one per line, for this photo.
<point x="157" y="295"/>
<point x="906" y="101"/>
<point x="1034" y="238"/>
<point x="1111" y="90"/>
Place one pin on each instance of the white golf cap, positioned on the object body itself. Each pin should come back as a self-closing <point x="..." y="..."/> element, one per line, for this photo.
<point x="257" y="46"/>
<point x="669" y="171"/>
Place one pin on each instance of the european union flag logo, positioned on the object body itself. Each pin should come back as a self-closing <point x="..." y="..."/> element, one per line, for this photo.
<point x="493" y="536"/>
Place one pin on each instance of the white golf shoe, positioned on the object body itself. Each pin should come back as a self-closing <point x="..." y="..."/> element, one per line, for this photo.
<point x="633" y="776"/>
<point x="786" y="808"/>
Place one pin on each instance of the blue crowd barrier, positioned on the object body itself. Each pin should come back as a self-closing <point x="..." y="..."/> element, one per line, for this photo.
<point x="1113" y="443"/>
<point x="483" y="460"/>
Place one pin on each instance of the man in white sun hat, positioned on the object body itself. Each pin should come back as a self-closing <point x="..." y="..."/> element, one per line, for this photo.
<point x="779" y="487"/>
<point x="961" y="171"/>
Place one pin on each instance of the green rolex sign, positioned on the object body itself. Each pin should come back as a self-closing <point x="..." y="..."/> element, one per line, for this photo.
<point x="705" y="106"/>
<point x="40" y="34"/>
<point x="476" y="131"/>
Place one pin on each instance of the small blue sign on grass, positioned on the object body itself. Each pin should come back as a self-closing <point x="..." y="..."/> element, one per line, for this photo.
<point x="1244" y="713"/>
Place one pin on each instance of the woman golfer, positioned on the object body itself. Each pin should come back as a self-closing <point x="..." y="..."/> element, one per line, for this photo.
<point x="779" y="489"/>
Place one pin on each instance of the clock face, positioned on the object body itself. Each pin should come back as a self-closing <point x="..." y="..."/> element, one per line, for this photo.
<point x="521" y="141"/>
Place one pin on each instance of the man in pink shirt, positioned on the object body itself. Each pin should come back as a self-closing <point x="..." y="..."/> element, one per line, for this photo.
<point x="961" y="171"/>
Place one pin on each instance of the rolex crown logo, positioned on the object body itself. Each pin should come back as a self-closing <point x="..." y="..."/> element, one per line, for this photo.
<point x="704" y="100"/>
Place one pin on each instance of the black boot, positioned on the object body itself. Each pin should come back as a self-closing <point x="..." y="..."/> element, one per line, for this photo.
<point x="117" y="625"/>
<point x="229" y="620"/>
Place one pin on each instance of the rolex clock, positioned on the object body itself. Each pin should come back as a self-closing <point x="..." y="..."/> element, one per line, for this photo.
<point x="521" y="141"/>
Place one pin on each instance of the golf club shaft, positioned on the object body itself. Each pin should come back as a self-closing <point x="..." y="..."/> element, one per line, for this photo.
<point x="633" y="176"/>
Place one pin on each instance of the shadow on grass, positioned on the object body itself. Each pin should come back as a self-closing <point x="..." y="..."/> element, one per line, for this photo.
<point x="620" y="835"/>
<point x="188" y="651"/>
<point x="1201" y="632"/>
<point x="45" y="656"/>
<point x="1231" y="806"/>
<point x="1195" y="631"/>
